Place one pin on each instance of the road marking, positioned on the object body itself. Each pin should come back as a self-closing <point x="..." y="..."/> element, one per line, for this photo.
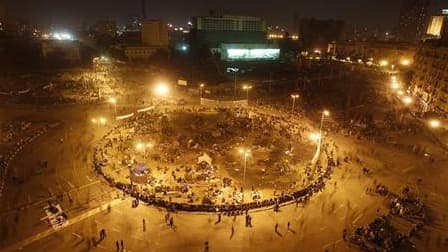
<point x="20" y="245"/>
<point x="357" y="218"/>
<point x="77" y="235"/>
<point x="71" y="184"/>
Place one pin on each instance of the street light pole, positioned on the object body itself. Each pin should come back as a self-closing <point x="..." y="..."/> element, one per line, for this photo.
<point x="245" y="153"/>
<point x="294" y="97"/>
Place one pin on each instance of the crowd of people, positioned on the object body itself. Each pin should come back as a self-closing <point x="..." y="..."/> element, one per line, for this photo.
<point x="26" y="136"/>
<point x="262" y="119"/>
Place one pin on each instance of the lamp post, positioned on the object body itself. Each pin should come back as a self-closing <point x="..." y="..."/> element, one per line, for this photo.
<point x="247" y="88"/>
<point x="113" y="101"/>
<point x="294" y="97"/>
<point x="245" y="153"/>
<point x="434" y="124"/>
<point x="324" y="114"/>
<point x="201" y="87"/>
<point x="142" y="147"/>
<point x="99" y="121"/>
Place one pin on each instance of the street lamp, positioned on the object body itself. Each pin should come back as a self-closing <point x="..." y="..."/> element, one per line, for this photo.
<point x="407" y="100"/>
<point x="384" y="63"/>
<point x="201" y="87"/>
<point x="247" y="88"/>
<point x="99" y="121"/>
<point x="143" y="146"/>
<point x="405" y="62"/>
<point x="294" y="97"/>
<point x="161" y="89"/>
<point x="245" y="153"/>
<point x="314" y="136"/>
<point x="113" y="101"/>
<point x="324" y="114"/>
<point x="434" y="123"/>
<point x="395" y="85"/>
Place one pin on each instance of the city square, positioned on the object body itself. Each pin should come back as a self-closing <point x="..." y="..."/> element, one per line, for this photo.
<point x="265" y="141"/>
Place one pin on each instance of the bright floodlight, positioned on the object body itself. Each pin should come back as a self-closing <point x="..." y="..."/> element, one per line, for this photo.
<point x="161" y="89"/>
<point x="434" y="123"/>
<point x="407" y="100"/>
<point x="247" y="87"/>
<point x="245" y="152"/>
<point x="400" y="92"/>
<point x="314" y="136"/>
<point x="395" y="85"/>
<point x="295" y="96"/>
<point x="112" y="100"/>
<point x="326" y="113"/>
<point x="103" y="120"/>
<point x="405" y="62"/>
<point x="94" y="120"/>
<point x="201" y="85"/>
<point x="384" y="63"/>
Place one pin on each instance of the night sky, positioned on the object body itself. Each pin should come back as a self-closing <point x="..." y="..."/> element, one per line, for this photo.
<point x="371" y="13"/>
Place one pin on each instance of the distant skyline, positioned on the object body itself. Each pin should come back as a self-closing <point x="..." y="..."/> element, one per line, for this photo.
<point x="382" y="14"/>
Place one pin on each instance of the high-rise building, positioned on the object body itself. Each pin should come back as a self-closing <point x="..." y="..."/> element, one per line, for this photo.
<point x="2" y="16"/>
<point x="317" y="34"/>
<point x="413" y="20"/>
<point x="155" y="33"/>
<point x="221" y="28"/>
<point x="430" y="80"/>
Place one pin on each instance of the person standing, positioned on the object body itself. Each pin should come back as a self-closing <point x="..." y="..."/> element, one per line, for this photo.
<point x="117" y="245"/>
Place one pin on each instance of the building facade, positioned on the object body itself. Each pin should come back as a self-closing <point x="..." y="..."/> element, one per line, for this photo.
<point x="413" y="20"/>
<point x="393" y="52"/>
<point x="218" y="28"/>
<point x="155" y="33"/>
<point x="430" y="80"/>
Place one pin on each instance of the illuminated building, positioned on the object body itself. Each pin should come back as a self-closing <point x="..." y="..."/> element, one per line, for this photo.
<point x="219" y="28"/>
<point x="393" y="52"/>
<point x="413" y="18"/>
<point x="430" y="80"/>
<point x="155" y="33"/>
<point x="249" y="52"/>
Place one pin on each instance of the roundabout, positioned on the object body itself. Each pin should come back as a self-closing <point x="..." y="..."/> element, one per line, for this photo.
<point x="214" y="159"/>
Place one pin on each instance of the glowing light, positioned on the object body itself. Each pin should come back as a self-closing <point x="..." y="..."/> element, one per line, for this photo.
<point x="62" y="36"/>
<point x="295" y="96"/>
<point x="407" y="100"/>
<point x="247" y="87"/>
<point x="314" y="136"/>
<point x="384" y="63"/>
<point x="245" y="152"/>
<point x="326" y="113"/>
<point x="161" y="89"/>
<point x="434" y="123"/>
<point x="400" y="92"/>
<point x="405" y="62"/>
<point x="250" y="54"/>
<point x="113" y="100"/>
<point x="395" y="85"/>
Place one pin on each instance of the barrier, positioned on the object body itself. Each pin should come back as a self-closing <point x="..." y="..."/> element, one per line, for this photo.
<point x="124" y="116"/>
<point x="218" y="103"/>
<point x="145" y="109"/>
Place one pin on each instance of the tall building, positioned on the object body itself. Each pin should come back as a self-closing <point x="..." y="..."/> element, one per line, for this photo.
<point x="413" y="20"/>
<point x="2" y="16"/>
<point x="155" y="33"/>
<point x="317" y="34"/>
<point x="430" y="80"/>
<point x="218" y="28"/>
